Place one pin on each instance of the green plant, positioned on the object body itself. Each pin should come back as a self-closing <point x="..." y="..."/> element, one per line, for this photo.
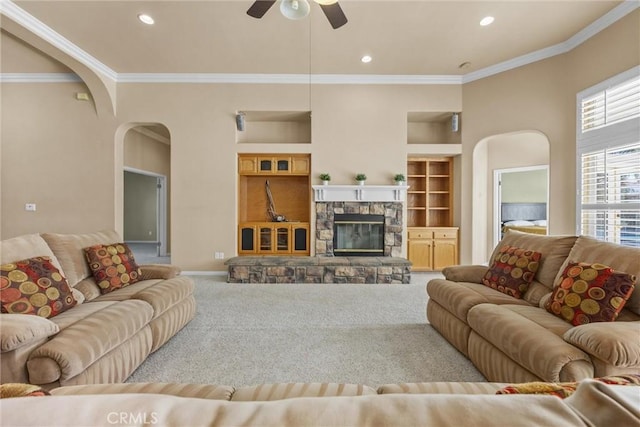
<point x="325" y="177"/>
<point x="361" y="177"/>
<point x="399" y="177"/>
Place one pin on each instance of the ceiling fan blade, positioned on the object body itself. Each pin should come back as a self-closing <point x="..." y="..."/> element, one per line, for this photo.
<point x="334" y="14"/>
<point x="259" y="8"/>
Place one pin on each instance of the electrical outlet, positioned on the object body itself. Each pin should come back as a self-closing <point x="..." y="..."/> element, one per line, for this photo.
<point x="219" y="255"/>
<point x="31" y="207"/>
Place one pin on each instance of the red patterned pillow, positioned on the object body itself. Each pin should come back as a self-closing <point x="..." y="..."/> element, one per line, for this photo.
<point x="34" y="286"/>
<point x="113" y="266"/>
<point x="512" y="270"/>
<point x="586" y="293"/>
<point x="563" y="390"/>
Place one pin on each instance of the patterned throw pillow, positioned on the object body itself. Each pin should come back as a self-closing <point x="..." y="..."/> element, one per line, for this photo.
<point x="113" y="266"/>
<point x="563" y="390"/>
<point x="34" y="286"/>
<point x="512" y="270"/>
<point x="588" y="293"/>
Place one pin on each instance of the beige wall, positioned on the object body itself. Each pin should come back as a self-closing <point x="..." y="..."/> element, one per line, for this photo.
<point x="57" y="153"/>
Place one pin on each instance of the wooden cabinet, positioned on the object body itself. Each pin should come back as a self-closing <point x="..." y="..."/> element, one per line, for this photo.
<point x="262" y="164"/>
<point x="272" y="238"/>
<point x="433" y="248"/>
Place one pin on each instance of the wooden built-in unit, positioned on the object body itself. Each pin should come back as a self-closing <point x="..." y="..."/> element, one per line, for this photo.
<point x="288" y="176"/>
<point x="432" y="239"/>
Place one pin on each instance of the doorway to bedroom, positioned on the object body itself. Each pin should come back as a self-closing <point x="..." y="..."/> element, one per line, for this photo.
<point x="521" y="197"/>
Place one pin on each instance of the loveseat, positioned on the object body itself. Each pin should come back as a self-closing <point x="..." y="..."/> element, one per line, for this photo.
<point x="101" y="336"/>
<point x="593" y="404"/>
<point x="541" y="334"/>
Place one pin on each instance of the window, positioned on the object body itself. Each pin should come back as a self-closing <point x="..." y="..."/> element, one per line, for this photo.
<point x="608" y="163"/>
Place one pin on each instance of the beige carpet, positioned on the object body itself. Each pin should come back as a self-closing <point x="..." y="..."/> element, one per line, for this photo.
<point x="253" y="334"/>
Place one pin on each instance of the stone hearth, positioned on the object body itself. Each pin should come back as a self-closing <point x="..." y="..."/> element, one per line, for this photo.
<point x="325" y="213"/>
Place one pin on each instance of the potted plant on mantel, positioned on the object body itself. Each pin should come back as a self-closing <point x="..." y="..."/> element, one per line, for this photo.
<point x="361" y="178"/>
<point x="399" y="179"/>
<point x="325" y="178"/>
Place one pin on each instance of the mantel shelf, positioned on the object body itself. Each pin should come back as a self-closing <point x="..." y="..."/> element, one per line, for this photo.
<point x="359" y="193"/>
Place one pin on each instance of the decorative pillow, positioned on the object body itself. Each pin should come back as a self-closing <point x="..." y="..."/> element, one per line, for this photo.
<point x="8" y="390"/>
<point x="563" y="390"/>
<point x="512" y="270"/>
<point x="34" y="286"/>
<point x="113" y="266"/>
<point x="586" y="293"/>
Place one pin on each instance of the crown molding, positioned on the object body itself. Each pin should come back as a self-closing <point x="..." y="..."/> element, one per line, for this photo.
<point x="39" y="78"/>
<point x="305" y="79"/>
<point x="11" y="10"/>
<point x="574" y="41"/>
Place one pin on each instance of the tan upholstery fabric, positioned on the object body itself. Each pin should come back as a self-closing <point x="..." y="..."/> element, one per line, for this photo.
<point x="128" y="292"/>
<point x="25" y="247"/>
<point x="465" y="273"/>
<point x="159" y="271"/>
<point x="89" y="288"/>
<point x="78" y="313"/>
<point x="265" y="392"/>
<point x="621" y="258"/>
<point x="171" y="321"/>
<point x="554" y="251"/>
<point x="68" y="248"/>
<point x="459" y="297"/>
<point x="606" y="406"/>
<point x="18" y="330"/>
<point x="528" y="344"/>
<point x="453" y="329"/>
<point x="542" y="318"/>
<point x="376" y="410"/>
<point x="617" y="343"/>
<point x="201" y="391"/>
<point x="82" y="343"/>
<point x="441" y="388"/>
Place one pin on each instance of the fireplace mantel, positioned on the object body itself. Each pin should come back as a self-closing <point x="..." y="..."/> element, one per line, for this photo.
<point x="359" y="193"/>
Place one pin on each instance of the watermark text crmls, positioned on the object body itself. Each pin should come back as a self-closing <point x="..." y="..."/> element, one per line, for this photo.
<point x="136" y="418"/>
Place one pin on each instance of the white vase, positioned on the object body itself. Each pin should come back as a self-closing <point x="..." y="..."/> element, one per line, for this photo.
<point x="325" y="182"/>
<point x="360" y="182"/>
<point x="399" y="182"/>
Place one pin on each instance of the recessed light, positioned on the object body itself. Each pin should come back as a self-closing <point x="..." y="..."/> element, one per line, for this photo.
<point x="146" y="19"/>
<point x="487" y="20"/>
<point x="366" y="59"/>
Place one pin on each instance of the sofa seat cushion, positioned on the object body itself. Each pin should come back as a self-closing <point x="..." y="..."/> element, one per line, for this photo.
<point x="266" y="392"/>
<point x="528" y="336"/>
<point x="441" y="388"/>
<point x="200" y="391"/>
<point x="85" y="339"/>
<point x="160" y="294"/>
<point x="459" y="297"/>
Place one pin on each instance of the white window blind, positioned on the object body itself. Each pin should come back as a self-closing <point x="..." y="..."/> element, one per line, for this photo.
<point x="608" y="160"/>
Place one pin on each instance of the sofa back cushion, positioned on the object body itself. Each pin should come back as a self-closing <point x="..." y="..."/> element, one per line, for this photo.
<point x="25" y="247"/>
<point x="554" y="250"/>
<point x="623" y="259"/>
<point x="68" y="248"/>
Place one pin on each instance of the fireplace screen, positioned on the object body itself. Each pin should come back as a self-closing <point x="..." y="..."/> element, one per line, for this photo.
<point x="358" y="235"/>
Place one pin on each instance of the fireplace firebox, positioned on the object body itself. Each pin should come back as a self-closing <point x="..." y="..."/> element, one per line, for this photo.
<point x="358" y="235"/>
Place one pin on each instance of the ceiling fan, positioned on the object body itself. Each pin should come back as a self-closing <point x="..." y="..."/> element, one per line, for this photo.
<point x="296" y="9"/>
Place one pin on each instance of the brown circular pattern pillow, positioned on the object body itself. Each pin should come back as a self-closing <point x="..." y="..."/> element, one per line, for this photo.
<point x="586" y="293"/>
<point x="34" y="286"/>
<point x="512" y="270"/>
<point x="113" y="266"/>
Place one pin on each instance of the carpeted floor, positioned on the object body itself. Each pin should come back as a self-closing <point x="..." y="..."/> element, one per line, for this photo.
<point x="253" y="334"/>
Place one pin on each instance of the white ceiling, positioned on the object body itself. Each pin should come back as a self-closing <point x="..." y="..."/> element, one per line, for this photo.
<point x="404" y="37"/>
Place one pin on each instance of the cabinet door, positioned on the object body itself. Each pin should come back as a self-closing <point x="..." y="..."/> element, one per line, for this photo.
<point x="282" y="165"/>
<point x="445" y="253"/>
<point x="247" y="239"/>
<point x="247" y="165"/>
<point x="265" y="239"/>
<point x="421" y="254"/>
<point x="282" y="239"/>
<point x="300" y="165"/>
<point x="300" y="239"/>
<point x="265" y="165"/>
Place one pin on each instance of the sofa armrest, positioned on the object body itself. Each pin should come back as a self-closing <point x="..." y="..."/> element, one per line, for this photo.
<point x="616" y="343"/>
<point x="18" y="330"/>
<point x="159" y="271"/>
<point x="465" y="273"/>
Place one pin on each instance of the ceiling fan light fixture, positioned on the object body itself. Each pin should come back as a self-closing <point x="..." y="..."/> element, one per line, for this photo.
<point x="294" y="9"/>
<point x="146" y="19"/>
<point x="487" y="20"/>
<point x="366" y="59"/>
<point x="326" y="2"/>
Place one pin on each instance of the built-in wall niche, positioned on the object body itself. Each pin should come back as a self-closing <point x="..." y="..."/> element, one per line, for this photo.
<point x="432" y="128"/>
<point x="275" y="127"/>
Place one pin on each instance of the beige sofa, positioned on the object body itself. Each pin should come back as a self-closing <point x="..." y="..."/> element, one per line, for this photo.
<point x="518" y="340"/>
<point x="104" y="338"/>
<point x="593" y="404"/>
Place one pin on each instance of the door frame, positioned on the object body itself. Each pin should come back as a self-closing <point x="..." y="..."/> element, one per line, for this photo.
<point x="161" y="211"/>
<point x="497" y="196"/>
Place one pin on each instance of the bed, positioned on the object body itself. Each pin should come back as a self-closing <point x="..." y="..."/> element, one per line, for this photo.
<point x="525" y="217"/>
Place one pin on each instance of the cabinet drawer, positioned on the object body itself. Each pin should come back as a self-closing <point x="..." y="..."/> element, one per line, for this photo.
<point x="445" y="234"/>
<point x="420" y="234"/>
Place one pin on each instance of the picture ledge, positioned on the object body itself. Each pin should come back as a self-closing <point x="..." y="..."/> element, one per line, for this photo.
<point x="359" y="193"/>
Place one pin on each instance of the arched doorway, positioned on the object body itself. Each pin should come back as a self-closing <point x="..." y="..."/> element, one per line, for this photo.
<point x="522" y="149"/>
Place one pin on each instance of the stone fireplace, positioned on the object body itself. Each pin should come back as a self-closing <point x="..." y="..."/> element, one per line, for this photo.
<point x="366" y="213"/>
